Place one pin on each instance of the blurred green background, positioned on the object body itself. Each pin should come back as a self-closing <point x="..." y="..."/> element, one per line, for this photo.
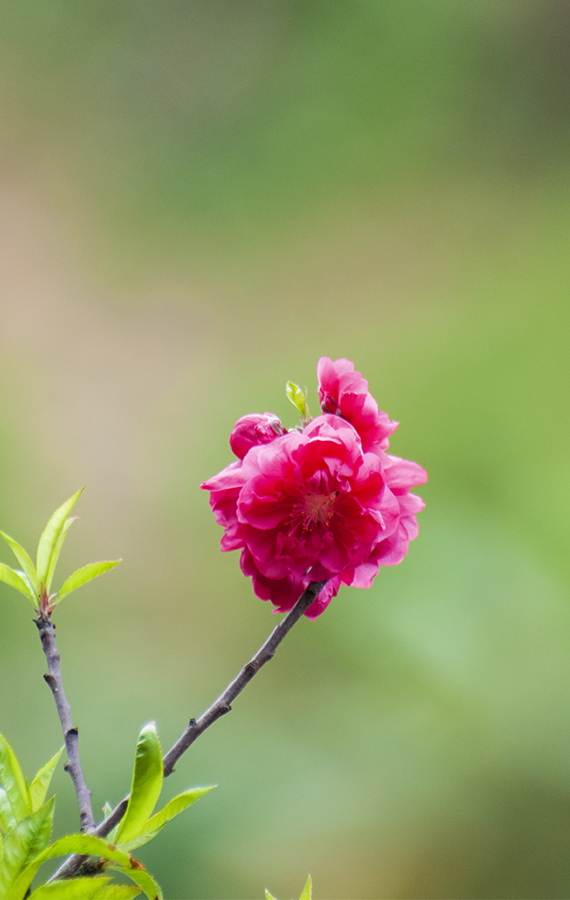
<point x="198" y="198"/>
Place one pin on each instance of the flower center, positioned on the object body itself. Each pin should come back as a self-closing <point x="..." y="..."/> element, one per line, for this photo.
<point x="318" y="509"/>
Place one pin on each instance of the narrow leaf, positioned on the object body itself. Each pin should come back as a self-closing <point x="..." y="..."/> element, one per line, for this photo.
<point x="9" y="576"/>
<point x="173" y="808"/>
<point x="297" y="397"/>
<point x="25" y="562"/>
<point x="268" y="896"/>
<point x="85" y="574"/>
<point x="84" y="844"/>
<point x="24" y="844"/>
<point x="7" y="818"/>
<point x="146" y="786"/>
<point x="51" y="534"/>
<point x="40" y="784"/>
<point x="14" y="782"/>
<point x="73" y="889"/>
<point x="143" y="879"/>
<point x="55" y="555"/>
<point x="307" y="890"/>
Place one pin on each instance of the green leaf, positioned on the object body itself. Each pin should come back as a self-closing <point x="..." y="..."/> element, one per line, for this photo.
<point x="14" y="782"/>
<point x="173" y="808"/>
<point x="25" y="562"/>
<point x="146" y="786"/>
<point x="40" y="784"/>
<point x="38" y="827"/>
<point x="24" y="844"/>
<point x="268" y="896"/>
<point x="84" y="844"/>
<point x="115" y="891"/>
<point x="55" y="555"/>
<point x="48" y="545"/>
<point x="7" y="818"/>
<point x="307" y="890"/>
<point x="298" y="398"/>
<point x="73" y="889"/>
<point x="28" y="583"/>
<point x="83" y="575"/>
<point x="85" y="889"/>
<point x="141" y="877"/>
<point x="11" y="577"/>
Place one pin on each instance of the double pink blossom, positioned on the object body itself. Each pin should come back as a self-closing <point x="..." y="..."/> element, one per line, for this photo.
<point x="327" y="503"/>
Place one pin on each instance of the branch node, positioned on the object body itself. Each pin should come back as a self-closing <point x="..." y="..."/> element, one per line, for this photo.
<point x="192" y="723"/>
<point x="49" y="679"/>
<point x="72" y="731"/>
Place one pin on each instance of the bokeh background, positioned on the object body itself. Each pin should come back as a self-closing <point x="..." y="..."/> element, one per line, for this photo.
<point x="198" y="198"/>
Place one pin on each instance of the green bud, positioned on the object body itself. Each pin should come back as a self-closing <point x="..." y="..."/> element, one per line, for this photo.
<point x="298" y="398"/>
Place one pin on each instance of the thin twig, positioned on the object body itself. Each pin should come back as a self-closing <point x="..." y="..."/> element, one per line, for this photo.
<point x="219" y="708"/>
<point x="223" y="704"/>
<point x="46" y="629"/>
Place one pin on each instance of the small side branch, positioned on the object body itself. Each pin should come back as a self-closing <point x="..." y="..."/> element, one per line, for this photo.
<point x="46" y="629"/>
<point x="220" y="707"/>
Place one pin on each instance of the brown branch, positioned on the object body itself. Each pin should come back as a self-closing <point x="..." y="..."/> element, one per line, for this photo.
<point x="46" y="629"/>
<point x="219" y="708"/>
<point x="223" y="704"/>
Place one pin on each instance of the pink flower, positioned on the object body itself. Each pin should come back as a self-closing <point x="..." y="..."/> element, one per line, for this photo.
<point x="323" y="504"/>
<point x="344" y="392"/>
<point x="314" y="500"/>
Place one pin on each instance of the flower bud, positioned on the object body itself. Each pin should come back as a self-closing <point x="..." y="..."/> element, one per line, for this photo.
<point x="253" y="430"/>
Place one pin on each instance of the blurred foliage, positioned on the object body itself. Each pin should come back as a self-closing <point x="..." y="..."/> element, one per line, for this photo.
<point x="209" y="122"/>
<point x="198" y="200"/>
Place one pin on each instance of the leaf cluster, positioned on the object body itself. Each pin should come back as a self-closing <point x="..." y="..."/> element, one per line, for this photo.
<point x="26" y="818"/>
<point x="34" y="581"/>
<point x="25" y="829"/>
<point x="26" y="824"/>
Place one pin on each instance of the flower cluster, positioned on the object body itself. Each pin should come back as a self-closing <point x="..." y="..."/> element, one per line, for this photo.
<point x="326" y="503"/>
